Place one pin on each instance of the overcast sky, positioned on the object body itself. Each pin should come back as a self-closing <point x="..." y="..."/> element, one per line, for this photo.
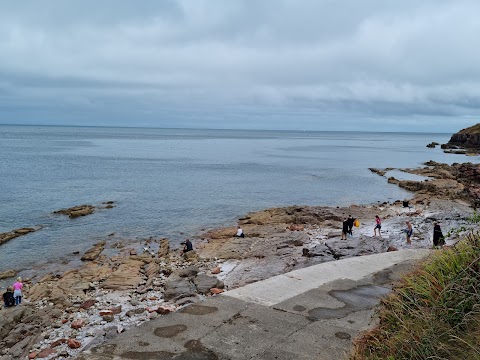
<point x="383" y="65"/>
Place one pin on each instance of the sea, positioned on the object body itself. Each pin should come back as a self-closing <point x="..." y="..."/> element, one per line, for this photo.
<point x="175" y="183"/>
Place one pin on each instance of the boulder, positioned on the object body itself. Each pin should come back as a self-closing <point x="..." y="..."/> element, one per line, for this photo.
<point x="74" y="344"/>
<point x="178" y="288"/>
<point x="191" y="256"/>
<point x="216" y="270"/>
<point x="189" y="271"/>
<point x="204" y="283"/>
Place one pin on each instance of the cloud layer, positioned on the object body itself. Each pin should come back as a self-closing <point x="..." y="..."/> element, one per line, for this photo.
<point x="234" y="64"/>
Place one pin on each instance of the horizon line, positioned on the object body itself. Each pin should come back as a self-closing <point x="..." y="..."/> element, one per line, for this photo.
<point x="217" y="129"/>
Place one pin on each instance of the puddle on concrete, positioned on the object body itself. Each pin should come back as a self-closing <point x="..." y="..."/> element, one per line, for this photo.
<point x="343" y="335"/>
<point x="299" y="308"/>
<point x="194" y="351"/>
<point x="356" y="299"/>
<point x="169" y="331"/>
<point x="199" y="310"/>
<point x="382" y="277"/>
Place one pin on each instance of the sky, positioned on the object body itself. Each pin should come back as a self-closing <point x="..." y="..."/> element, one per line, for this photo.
<point x="371" y="65"/>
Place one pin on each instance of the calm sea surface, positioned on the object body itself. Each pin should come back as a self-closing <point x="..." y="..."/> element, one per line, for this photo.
<point x="169" y="181"/>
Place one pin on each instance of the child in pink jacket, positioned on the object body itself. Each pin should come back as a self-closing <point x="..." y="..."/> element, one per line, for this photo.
<point x="17" y="291"/>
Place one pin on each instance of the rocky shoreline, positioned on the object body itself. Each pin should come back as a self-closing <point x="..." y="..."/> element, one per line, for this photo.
<point x="67" y="312"/>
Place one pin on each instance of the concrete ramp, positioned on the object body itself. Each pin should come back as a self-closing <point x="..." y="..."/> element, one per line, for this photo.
<point x="282" y="287"/>
<point x="311" y="313"/>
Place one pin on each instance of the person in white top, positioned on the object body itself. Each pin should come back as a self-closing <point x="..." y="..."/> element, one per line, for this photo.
<point x="239" y="232"/>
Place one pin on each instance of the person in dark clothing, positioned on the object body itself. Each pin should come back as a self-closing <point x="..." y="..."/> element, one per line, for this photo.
<point x="350" y="221"/>
<point x="345" y="229"/>
<point x="187" y="246"/>
<point x="438" y="238"/>
<point x="8" y="299"/>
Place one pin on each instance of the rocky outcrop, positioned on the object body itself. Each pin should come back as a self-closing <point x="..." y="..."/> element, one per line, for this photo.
<point x="432" y="145"/>
<point x="107" y="294"/>
<point x="443" y="181"/>
<point x="468" y="138"/>
<point x="94" y="252"/>
<point x="7" y="274"/>
<point x="164" y="247"/>
<point x="4" y="237"/>
<point x="76" y="211"/>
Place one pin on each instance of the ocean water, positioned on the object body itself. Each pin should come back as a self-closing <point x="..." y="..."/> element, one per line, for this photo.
<point x="175" y="182"/>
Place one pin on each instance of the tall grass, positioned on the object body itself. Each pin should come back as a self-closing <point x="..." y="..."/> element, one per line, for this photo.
<point x="434" y="313"/>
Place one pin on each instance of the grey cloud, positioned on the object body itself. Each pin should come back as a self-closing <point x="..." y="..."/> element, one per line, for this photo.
<point x="316" y="59"/>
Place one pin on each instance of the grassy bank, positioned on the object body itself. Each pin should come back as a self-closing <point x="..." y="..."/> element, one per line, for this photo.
<point x="434" y="314"/>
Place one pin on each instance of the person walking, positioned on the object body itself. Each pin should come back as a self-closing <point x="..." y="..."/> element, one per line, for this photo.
<point x="17" y="291"/>
<point x="378" y="225"/>
<point x="344" y="229"/>
<point x="408" y="231"/>
<point x="438" y="238"/>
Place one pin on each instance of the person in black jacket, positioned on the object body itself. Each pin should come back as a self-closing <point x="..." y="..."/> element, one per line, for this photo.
<point x="438" y="238"/>
<point x="350" y="222"/>
<point x="8" y="299"/>
<point x="344" y="229"/>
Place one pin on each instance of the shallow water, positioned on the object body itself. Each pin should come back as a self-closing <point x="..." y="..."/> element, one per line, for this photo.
<point x="173" y="183"/>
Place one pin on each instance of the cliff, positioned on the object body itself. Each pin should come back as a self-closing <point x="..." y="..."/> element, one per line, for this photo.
<point x="468" y="138"/>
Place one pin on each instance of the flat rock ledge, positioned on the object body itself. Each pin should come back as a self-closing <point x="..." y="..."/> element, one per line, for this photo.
<point x="76" y="211"/>
<point x="4" y="237"/>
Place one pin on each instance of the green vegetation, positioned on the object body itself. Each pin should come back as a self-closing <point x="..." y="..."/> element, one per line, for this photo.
<point x="434" y="313"/>
<point x="472" y="220"/>
<point x="475" y="129"/>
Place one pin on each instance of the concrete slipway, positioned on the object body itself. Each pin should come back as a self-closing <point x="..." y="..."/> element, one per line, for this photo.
<point x="311" y="313"/>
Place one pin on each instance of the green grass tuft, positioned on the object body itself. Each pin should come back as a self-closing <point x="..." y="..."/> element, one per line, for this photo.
<point x="434" y="313"/>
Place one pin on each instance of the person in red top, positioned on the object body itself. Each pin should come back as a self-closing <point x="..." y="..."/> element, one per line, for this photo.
<point x="378" y="225"/>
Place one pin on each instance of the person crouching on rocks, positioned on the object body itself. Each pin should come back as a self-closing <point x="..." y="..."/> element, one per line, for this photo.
<point x="344" y="229"/>
<point x="188" y="246"/>
<point x="17" y="291"/>
<point x="239" y="232"/>
<point x="8" y="299"/>
<point x="378" y="225"/>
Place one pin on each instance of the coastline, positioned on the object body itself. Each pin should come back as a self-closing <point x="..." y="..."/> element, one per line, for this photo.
<point x="128" y="281"/>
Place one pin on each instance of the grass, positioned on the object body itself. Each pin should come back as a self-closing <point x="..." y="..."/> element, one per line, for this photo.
<point x="434" y="313"/>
